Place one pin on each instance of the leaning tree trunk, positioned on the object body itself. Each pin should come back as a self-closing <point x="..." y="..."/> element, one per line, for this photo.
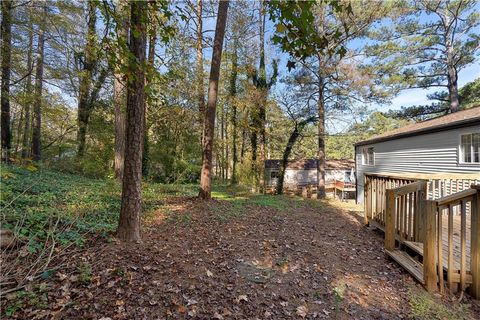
<point x="129" y="221"/>
<point x="209" y="126"/>
<point x="119" y="94"/>
<point x="6" y="31"/>
<point x="28" y="92"/>
<point x="321" y="140"/>
<point x="84" y="107"/>
<point x="37" y="104"/>
<point x="286" y="154"/>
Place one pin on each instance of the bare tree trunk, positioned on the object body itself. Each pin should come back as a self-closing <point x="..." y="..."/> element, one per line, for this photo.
<point x="206" y="174"/>
<point x="6" y="31"/>
<point x="233" y="105"/>
<point x="151" y="65"/>
<point x="263" y="100"/>
<point x="19" y="130"/>
<point x="28" y="91"/>
<point x="321" y="138"/>
<point x="129" y="221"/>
<point x="200" y="92"/>
<point x="452" y="76"/>
<point x="226" y="146"/>
<point x="84" y="107"/>
<point x="222" y="140"/>
<point x="242" y="147"/>
<point x="120" y="94"/>
<point x="37" y="104"/>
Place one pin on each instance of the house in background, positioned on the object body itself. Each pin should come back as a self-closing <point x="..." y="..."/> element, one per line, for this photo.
<point x="447" y="144"/>
<point x="303" y="173"/>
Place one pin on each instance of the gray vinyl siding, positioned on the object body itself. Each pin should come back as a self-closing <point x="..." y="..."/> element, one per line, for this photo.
<point x="425" y="153"/>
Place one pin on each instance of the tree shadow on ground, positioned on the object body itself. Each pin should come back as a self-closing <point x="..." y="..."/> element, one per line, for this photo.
<point x="240" y="256"/>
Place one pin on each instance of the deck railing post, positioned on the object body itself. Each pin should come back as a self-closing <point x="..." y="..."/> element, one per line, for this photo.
<point x="420" y="214"/>
<point x="366" y="198"/>
<point x="475" y="244"/>
<point x="390" y="221"/>
<point x="429" y="246"/>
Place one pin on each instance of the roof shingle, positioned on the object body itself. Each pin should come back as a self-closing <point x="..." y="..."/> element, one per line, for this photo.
<point x="310" y="164"/>
<point x="467" y="116"/>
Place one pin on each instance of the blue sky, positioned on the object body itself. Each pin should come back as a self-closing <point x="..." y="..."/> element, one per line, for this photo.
<point x="407" y="97"/>
<point x="410" y="97"/>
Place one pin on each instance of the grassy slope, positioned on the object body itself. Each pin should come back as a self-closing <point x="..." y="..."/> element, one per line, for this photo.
<point x="69" y="208"/>
<point x="36" y="202"/>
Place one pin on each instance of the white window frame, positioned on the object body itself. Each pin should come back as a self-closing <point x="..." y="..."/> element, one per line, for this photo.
<point x="460" y="152"/>
<point x="364" y="158"/>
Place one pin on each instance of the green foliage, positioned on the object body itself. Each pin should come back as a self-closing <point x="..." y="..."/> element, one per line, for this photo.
<point x="51" y="206"/>
<point x="36" y="297"/>
<point x="85" y="273"/>
<point x="342" y="146"/>
<point x="296" y="31"/>
<point x="45" y="205"/>
<point x="421" y="40"/>
<point x="469" y="96"/>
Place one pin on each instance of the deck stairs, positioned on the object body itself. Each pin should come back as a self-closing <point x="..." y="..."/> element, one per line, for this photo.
<point x="410" y="257"/>
<point x="409" y="260"/>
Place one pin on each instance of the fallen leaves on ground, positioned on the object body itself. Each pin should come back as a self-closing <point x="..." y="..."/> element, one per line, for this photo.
<point x="307" y="261"/>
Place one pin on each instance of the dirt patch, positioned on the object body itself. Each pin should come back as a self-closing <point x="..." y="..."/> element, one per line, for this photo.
<point x="233" y="259"/>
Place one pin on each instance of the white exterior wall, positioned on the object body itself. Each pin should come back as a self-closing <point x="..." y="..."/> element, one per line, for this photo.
<point x="425" y="153"/>
<point x="295" y="177"/>
<point x="299" y="177"/>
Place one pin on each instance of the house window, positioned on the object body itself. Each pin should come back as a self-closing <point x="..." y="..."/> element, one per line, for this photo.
<point x="274" y="175"/>
<point x="470" y="148"/>
<point x="368" y="156"/>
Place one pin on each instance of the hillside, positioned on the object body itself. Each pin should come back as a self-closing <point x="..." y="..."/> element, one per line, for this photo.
<point x="238" y="256"/>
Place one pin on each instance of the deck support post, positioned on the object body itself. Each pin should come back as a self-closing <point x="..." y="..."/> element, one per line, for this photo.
<point x="475" y="245"/>
<point x="429" y="246"/>
<point x="390" y="221"/>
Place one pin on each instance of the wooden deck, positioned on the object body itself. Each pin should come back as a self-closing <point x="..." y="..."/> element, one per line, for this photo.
<point x="418" y="247"/>
<point x="432" y="228"/>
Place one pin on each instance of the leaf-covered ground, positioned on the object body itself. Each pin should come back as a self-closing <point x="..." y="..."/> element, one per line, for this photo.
<point x="240" y="256"/>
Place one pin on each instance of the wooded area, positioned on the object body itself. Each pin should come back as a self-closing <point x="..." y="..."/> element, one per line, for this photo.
<point x="140" y="93"/>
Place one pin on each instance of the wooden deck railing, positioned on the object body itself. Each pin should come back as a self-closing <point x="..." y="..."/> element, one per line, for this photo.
<point x="437" y="186"/>
<point x="441" y="187"/>
<point x="375" y="187"/>
<point x="452" y="242"/>
<point x="404" y="206"/>
<point x="445" y="232"/>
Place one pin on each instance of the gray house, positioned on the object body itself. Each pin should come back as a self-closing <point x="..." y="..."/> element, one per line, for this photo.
<point x="447" y="144"/>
